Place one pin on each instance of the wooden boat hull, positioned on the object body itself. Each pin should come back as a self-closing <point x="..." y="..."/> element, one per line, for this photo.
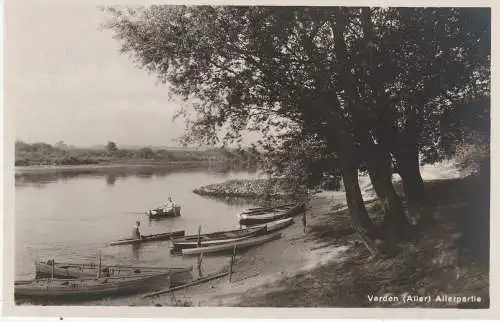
<point x="240" y="245"/>
<point x="43" y="289"/>
<point x="216" y="238"/>
<point x="259" y="218"/>
<point x="277" y="224"/>
<point x="89" y="270"/>
<point x="149" y="238"/>
<point x="258" y="210"/>
<point x="159" y="213"/>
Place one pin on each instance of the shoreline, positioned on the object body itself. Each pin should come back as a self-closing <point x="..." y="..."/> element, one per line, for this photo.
<point x="329" y="267"/>
<point x="295" y="253"/>
<point x="111" y="166"/>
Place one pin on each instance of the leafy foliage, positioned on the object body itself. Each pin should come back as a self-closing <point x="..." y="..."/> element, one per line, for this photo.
<point x="273" y="70"/>
<point x="111" y="147"/>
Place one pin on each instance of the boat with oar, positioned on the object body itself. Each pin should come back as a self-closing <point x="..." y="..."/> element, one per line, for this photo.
<point x="229" y="246"/>
<point x="216" y="238"/>
<point x="86" y="288"/>
<point x="162" y="213"/>
<point x="89" y="270"/>
<point x="148" y="238"/>
<point x="276" y="213"/>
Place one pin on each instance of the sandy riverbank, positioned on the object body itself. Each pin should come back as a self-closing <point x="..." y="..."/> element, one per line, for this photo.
<point x="327" y="266"/>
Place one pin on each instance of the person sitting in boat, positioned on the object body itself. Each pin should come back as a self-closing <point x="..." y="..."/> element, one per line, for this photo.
<point x="169" y="206"/>
<point x="136" y="233"/>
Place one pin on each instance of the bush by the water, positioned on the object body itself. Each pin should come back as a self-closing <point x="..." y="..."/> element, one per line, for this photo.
<point x="243" y="188"/>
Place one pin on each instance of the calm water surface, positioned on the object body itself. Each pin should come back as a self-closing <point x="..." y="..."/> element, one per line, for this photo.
<point x="71" y="216"/>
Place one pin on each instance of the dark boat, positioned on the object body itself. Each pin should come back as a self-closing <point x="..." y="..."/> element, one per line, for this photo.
<point x="259" y="210"/>
<point x="260" y="216"/>
<point x="148" y="238"/>
<point x="160" y="213"/>
<point x="229" y="246"/>
<point x="89" y="270"/>
<point x="86" y="288"/>
<point x="216" y="238"/>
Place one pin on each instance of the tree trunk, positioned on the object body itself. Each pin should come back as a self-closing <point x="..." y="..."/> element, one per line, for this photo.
<point x="396" y="224"/>
<point x="363" y="224"/>
<point x="409" y="170"/>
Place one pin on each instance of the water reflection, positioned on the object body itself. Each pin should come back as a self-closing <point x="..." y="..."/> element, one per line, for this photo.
<point x="40" y="177"/>
<point x="110" y="179"/>
<point x="145" y="175"/>
<point x="240" y="201"/>
<point x="136" y="252"/>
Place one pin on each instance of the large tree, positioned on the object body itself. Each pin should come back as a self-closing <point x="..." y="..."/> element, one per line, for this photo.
<point x="367" y="82"/>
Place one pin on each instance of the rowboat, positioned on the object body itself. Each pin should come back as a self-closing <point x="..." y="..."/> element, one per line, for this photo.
<point x="276" y="225"/>
<point x="242" y="244"/>
<point x="253" y="218"/>
<point x="290" y="207"/>
<point x="216" y="238"/>
<point x="258" y="210"/>
<point x="149" y="238"/>
<point x="63" y="289"/>
<point x="89" y="270"/>
<point x="266" y="217"/>
<point x="160" y="213"/>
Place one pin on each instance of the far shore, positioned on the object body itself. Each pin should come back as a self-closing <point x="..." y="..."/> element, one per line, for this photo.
<point x="114" y="165"/>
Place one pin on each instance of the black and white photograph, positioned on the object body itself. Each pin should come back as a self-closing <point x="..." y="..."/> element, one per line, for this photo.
<point x="170" y="156"/>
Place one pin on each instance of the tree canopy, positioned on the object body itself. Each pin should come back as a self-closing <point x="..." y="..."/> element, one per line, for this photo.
<point x="265" y="68"/>
<point x="372" y="85"/>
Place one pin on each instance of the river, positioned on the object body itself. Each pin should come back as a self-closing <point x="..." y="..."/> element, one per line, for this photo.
<point x="71" y="215"/>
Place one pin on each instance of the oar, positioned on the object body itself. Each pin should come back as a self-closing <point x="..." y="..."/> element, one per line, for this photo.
<point x="134" y="212"/>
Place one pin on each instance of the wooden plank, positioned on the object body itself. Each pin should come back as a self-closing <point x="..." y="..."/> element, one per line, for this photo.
<point x="192" y="283"/>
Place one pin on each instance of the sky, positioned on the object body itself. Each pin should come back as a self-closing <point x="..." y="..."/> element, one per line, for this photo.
<point x="66" y="81"/>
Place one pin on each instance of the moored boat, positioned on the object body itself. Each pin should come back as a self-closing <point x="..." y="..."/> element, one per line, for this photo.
<point x="229" y="246"/>
<point x="149" y="238"/>
<point x="215" y="238"/>
<point x="160" y="213"/>
<point x="65" y="289"/>
<point x="260" y="217"/>
<point x="89" y="270"/>
<point x="276" y="225"/>
<point x="257" y="210"/>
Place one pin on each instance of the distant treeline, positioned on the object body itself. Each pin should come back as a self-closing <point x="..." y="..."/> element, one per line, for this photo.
<point x="62" y="154"/>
